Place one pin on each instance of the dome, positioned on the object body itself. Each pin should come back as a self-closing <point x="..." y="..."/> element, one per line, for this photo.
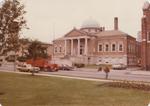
<point x="146" y="5"/>
<point x="90" y="23"/>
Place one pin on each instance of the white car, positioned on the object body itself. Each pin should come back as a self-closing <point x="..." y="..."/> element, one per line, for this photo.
<point x="27" y="68"/>
<point x="119" y="66"/>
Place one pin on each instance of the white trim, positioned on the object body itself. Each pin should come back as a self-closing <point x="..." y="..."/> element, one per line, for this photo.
<point x="79" y="44"/>
<point x="78" y="37"/>
<point x="65" y="49"/>
<point x="86" y="46"/>
<point x="72" y="46"/>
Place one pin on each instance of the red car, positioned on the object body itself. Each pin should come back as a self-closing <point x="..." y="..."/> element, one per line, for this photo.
<point x="43" y="64"/>
<point x="51" y="67"/>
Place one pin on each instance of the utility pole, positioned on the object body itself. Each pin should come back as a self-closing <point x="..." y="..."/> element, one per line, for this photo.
<point x="53" y="28"/>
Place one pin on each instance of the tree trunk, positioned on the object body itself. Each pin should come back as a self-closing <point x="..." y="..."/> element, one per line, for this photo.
<point x="15" y="62"/>
<point x="106" y="75"/>
<point x="33" y="71"/>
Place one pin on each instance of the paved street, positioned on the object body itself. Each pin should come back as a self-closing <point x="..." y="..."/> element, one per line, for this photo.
<point x="7" y="66"/>
<point x="114" y="74"/>
<point x="130" y="74"/>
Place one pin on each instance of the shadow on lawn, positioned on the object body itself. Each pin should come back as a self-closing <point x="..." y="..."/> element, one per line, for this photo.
<point x="103" y="85"/>
<point x="2" y="93"/>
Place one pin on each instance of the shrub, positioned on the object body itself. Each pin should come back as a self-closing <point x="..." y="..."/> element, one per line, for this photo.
<point x="100" y="69"/>
<point x="79" y="65"/>
<point x="22" y="59"/>
<point x="130" y="85"/>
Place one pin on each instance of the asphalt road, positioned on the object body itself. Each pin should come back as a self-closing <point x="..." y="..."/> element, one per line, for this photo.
<point x="129" y="74"/>
<point x="114" y="74"/>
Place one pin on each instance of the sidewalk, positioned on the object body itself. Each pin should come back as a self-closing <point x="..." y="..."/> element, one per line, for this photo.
<point x="78" y="78"/>
<point x="146" y="73"/>
<point x="132" y="71"/>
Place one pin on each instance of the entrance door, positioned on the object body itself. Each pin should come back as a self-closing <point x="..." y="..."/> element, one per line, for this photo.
<point x="81" y="50"/>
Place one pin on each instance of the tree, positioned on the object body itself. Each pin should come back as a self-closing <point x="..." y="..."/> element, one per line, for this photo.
<point x="24" y="43"/>
<point x="11" y="23"/>
<point x="36" y="50"/>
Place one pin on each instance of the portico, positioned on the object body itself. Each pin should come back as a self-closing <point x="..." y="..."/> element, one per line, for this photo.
<point x="76" y="46"/>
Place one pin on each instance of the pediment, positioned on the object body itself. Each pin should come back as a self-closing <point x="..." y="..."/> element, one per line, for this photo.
<point x="75" y="33"/>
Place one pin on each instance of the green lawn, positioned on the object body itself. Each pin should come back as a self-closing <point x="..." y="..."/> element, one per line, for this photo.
<point x="26" y="90"/>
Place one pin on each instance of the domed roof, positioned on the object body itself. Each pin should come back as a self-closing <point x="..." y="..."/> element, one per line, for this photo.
<point x="90" y="23"/>
<point x="146" y="5"/>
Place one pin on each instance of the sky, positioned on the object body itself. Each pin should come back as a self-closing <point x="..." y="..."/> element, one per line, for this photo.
<point x="51" y="19"/>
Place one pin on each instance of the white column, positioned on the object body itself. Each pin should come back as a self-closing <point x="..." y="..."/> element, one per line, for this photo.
<point x="65" y="47"/>
<point x="78" y="46"/>
<point x="71" y="46"/>
<point x="86" y="46"/>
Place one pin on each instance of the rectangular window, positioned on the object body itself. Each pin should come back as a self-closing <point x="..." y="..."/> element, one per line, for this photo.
<point x="55" y="49"/>
<point x="100" y="48"/>
<point x="149" y="37"/>
<point x="60" y="49"/>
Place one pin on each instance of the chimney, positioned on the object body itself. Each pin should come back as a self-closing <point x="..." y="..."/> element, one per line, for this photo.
<point x="116" y="23"/>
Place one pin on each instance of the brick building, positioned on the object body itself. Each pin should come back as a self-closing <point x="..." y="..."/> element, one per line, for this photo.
<point x="92" y="44"/>
<point x="145" y="52"/>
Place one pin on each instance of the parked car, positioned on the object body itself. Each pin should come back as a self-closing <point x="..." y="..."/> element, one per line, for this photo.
<point x="65" y="67"/>
<point x="43" y="64"/>
<point x="119" y="66"/>
<point x="51" y="67"/>
<point x="27" y="68"/>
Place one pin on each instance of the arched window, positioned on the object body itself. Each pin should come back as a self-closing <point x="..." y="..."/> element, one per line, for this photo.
<point x="121" y="47"/>
<point x="113" y="47"/>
